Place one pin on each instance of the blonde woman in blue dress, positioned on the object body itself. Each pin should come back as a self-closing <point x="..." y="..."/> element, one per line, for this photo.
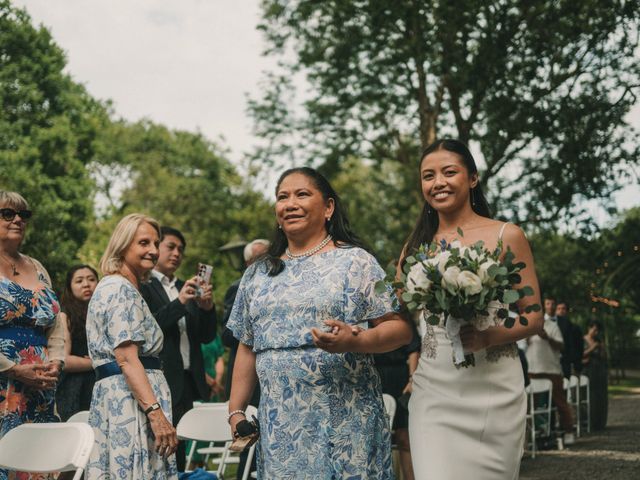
<point x="131" y="404"/>
<point x="467" y="422"/>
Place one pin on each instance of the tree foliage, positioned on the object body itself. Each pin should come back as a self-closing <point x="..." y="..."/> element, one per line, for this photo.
<point x="48" y="128"/>
<point x="184" y="181"/>
<point x="540" y="88"/>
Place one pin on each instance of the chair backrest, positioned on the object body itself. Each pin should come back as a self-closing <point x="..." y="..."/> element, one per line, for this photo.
<point x="82" y="417"/>
<point x="389" y="407"/>
<point x="584" y="381"/>
<point x="47" y="447"/>
<point x="205" y="424"/>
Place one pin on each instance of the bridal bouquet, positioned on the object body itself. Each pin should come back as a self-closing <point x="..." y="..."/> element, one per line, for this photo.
<point x="463" y="284"/>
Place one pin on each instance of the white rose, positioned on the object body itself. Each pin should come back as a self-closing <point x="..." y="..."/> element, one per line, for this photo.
<point x="450" y="278"/>
<point x="473" y="255"/>
<point x="483" y="271"/>
<point x="442" y="259"/>
<point x="417" y="278"/>
<point x="456" y="244"/>
<point x="470" y="283"/>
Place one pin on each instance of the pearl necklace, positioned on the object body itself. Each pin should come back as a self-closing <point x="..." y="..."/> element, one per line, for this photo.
<point x="308" y="253"/>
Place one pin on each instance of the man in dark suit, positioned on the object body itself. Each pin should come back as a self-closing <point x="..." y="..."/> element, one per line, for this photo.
<point x="187" y="321"/>
<point x="573" y="341"/>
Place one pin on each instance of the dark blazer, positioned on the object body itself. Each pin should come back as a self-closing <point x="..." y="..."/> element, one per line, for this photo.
<point x="201" y="328"/>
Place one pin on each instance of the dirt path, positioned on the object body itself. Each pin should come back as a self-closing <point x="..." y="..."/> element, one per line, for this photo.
<point x="613" y="454"/>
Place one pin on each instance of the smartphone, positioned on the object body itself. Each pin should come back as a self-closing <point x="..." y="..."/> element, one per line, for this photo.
<point x="204" y="274"/>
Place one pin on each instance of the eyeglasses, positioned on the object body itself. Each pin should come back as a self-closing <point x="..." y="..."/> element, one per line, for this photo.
<point x="8" y="214"/>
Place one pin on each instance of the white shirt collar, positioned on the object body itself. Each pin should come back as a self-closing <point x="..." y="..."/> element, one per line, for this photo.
<point x="164" y="280"/>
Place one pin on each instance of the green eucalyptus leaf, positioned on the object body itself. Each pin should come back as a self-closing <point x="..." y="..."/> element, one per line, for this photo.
<point x="510" y="296"/>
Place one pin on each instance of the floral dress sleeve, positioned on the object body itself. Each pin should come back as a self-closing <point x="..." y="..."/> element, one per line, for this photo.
<point x="124" y="315"/>
<point x="364" y="303"/>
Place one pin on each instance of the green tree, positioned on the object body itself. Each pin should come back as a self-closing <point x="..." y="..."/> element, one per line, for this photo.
<point x="182" y="180"/>
<point x="540" y="88"/>
<point x="48" y="127"/>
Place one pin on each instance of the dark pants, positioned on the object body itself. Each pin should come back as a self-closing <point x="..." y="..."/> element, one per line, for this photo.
<point x="179" y="408"/>
<point x="559" y="398"/>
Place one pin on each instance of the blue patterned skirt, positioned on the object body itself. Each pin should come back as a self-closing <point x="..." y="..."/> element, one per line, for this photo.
<point x="322" y="417"/>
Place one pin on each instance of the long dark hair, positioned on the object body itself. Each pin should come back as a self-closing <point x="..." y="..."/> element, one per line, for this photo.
<point x="75" y="308"/>
<point x="427" y="224"/>
<point x="338" y="227"/>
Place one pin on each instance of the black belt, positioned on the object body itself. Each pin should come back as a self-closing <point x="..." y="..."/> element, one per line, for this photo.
<point x="112" y="368"/>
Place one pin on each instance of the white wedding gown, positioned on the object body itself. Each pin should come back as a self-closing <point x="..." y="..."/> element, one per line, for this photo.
<point x="467" y="422"/>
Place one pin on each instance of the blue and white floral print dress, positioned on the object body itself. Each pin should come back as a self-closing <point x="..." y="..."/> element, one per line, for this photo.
<point x="321" y="414"/>
<point x="124" y="447"/>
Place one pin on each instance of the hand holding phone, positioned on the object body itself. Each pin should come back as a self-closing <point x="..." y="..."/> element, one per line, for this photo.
<point x="204" y="275"/>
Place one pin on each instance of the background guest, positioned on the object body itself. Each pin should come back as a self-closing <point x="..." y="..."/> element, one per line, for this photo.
<point x="543" y="359"/>
<point x="594" y="360"/>
<point x="396" y="370"/>
<point x="131" y="404"/>
<point x="573" y="342"/>
<point x="214" y="367"/>
<point x="187" y="320"/>
<point x="76" y="382"/>
<point x="31" y="340"/>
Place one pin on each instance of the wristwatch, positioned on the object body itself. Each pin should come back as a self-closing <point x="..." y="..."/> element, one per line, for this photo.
<point x="152" y="407"/>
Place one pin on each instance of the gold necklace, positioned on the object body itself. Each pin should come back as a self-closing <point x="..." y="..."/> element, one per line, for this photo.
<point x="14" y="270"/>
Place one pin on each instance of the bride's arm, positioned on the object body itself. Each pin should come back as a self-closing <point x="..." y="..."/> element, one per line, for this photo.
<point x="473" y="339"/>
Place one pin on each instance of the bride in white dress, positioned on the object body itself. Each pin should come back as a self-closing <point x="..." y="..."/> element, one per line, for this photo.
<point x="467" y="422"/>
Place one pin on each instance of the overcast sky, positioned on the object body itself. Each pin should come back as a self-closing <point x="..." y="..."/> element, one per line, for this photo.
<point x="187" y="64"/>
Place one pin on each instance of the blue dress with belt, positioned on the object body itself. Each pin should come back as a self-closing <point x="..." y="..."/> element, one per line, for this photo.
<point x="321" y="414"/>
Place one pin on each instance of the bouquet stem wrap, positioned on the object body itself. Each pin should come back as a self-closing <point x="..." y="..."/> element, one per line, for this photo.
<point x="453" y="331"/>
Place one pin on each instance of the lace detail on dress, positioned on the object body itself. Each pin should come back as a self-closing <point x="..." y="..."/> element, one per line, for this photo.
<point x="496" y="353"/>
<point x="429" y="343"/>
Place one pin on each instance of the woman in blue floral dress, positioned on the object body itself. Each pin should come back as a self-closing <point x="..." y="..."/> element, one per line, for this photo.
<point x="131" y="405"/>
<point x="31" y="347"/>
<point x="301" y="316"/>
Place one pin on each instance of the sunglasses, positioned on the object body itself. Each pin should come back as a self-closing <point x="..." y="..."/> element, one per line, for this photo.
<point x="8" y="214"/>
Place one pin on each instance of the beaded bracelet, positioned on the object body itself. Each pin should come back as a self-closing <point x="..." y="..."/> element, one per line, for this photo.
<point x="235" y="412"/>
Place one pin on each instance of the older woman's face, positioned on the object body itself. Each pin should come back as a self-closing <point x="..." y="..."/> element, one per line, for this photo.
<point x="83" y="283"/>
<point x="12" y="229"/>
<point x="300" y="206"/>
<point x="142" y="254"/>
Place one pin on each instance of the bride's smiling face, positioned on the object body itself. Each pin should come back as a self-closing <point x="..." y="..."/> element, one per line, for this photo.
<point x="445" y="180"/>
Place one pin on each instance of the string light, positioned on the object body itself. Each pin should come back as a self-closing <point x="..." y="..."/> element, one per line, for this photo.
<point x="607" y="301"/>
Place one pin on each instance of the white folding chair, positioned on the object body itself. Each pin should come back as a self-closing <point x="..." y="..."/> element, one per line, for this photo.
<point x="80" y="417"/>
<point x="223" y="407"/>
<point x="573" y="398"/>
<point x="585" y="401"/>
<point x="539" y="395"/>
<point x="47" y="448"/>
<point x="207" y="424"/>
<point x="389" y="408"/>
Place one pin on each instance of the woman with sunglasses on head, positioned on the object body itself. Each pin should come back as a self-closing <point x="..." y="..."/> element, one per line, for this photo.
<point x="76" y="383"/>
<point x="31" y="341"/>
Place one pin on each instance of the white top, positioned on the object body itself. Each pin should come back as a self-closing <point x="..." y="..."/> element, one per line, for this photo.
<point x="541" y="357"/>
<point x="173" y="293"/>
